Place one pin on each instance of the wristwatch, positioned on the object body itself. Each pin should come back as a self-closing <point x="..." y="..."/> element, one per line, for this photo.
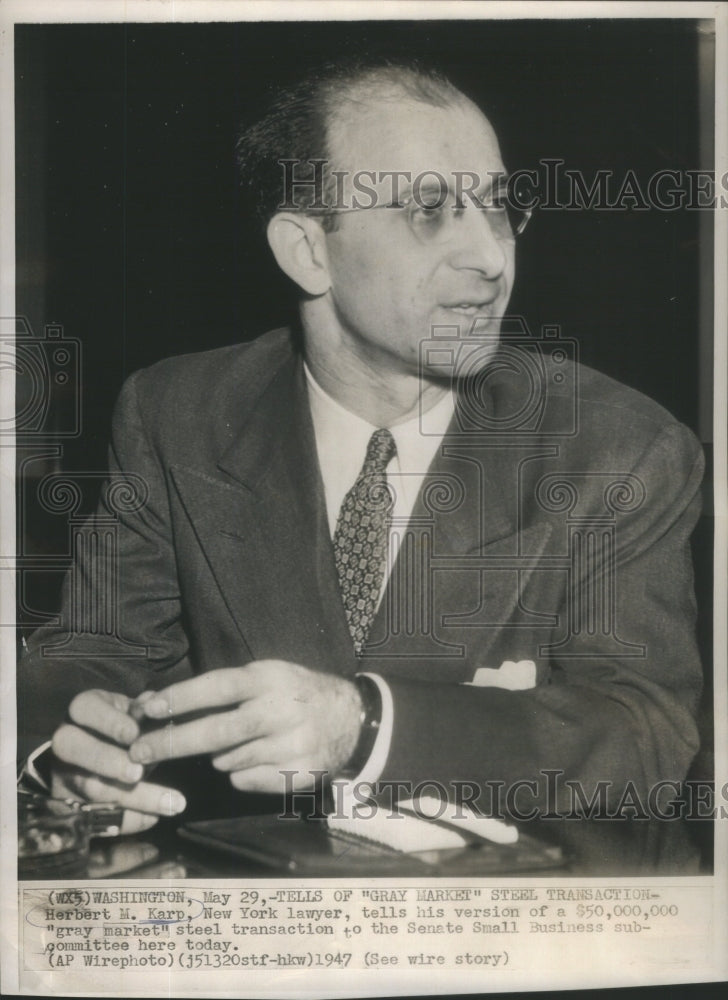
<point x="370" y="720"/>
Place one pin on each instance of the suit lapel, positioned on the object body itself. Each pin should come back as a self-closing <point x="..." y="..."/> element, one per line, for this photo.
<point x="262" y="526"/>
<point x="464" y="563"/>
<point x="261" y="523"/>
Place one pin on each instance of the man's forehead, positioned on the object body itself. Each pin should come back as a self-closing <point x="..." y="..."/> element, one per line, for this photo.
<point x="399" y="133"/>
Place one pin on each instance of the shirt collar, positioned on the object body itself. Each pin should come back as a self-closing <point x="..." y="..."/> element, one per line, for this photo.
<point x="417" y="439"/>
<point x="342" y="438"/>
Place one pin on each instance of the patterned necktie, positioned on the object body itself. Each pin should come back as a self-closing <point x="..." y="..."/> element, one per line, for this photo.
<point x="360" y="539"/>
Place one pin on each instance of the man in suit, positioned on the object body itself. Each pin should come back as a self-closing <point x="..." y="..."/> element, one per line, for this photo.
<point x="392" y="544"/>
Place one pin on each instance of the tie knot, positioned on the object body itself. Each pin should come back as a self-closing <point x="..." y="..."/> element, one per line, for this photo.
<point x="380" y="452"/>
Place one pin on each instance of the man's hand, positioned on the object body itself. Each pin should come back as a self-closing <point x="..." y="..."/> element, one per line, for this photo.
<point x="92" y="762"/>
<point x="266" y="717"/>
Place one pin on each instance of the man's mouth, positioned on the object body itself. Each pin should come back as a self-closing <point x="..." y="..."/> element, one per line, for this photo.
<point x="469" y="309"/>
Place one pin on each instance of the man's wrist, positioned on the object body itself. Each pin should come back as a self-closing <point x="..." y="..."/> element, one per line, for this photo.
<point x="369" y="722"/>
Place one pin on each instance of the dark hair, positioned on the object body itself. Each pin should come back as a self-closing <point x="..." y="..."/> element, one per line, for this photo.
<point x="297" y="125"/>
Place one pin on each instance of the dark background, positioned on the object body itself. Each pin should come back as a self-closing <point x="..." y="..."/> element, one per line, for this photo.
<point x="130" y="232"/>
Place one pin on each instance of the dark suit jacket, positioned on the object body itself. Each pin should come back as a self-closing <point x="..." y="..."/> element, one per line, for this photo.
<point x="558" y="536"/>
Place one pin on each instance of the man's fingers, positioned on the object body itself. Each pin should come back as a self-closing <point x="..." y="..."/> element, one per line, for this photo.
<point x="104" y="712"/>
<point x="78" y="748"/>
<point x="152" y="800"/>
<point x="210" y="734"/>
<point x="131" y="822"/>
<point x="136" y="822"/>
<point x="266" y="778"/>
<point x="268" y="750"/>
<point x="214" y="689"/>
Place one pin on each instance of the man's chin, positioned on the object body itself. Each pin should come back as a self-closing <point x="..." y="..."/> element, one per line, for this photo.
<point x="453" y="355"/>
<point x="475" y="356"/>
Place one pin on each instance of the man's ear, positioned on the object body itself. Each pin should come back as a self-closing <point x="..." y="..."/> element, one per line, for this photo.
<point x="298" y="244"/>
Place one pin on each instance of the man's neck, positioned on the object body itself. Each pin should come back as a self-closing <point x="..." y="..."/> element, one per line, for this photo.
<point x="382" y="396"/>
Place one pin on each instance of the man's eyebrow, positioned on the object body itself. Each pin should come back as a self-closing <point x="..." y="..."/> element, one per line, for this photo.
<point x="494" y="181"/>
<point x="425" y="187"/>
<point x="463" y="181"/>
<point x="460" y="182"/>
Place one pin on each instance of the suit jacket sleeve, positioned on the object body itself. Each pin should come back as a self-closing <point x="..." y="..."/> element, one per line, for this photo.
<point x="595" y="719"/>
<point x="120" y="631"/>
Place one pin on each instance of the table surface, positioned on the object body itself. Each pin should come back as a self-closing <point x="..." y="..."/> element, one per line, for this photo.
<point x="589" y="848"/>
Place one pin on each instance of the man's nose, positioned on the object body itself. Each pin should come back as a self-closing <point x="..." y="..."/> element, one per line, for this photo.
<point x="475" y="245"/>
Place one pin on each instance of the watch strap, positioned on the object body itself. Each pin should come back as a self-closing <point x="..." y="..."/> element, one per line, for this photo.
<point x="369" y="723"/>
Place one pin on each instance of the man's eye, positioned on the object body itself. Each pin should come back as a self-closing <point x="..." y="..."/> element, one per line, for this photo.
<point x="433" y="209"/>
<point x="428" y="214"/>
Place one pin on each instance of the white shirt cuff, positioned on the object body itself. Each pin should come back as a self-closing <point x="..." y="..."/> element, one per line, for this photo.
<point x="31" y="771"/>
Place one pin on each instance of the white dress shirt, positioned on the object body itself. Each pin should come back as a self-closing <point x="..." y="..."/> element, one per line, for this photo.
<point x="341" y="445"/>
